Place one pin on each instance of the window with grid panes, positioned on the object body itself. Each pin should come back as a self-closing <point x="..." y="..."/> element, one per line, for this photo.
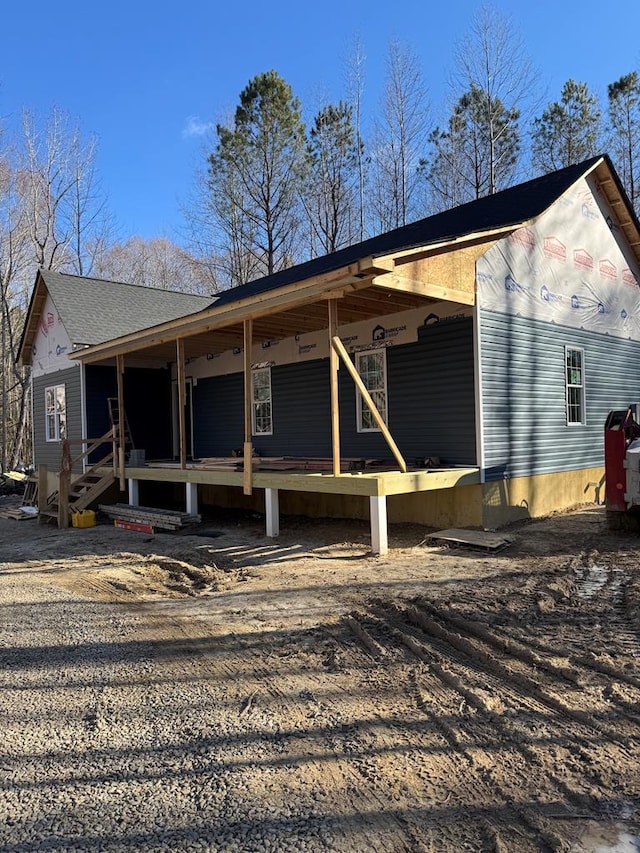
<point x="55" y="413"/>
<point x="372" y="367"/>
<point x="261" y="409"/>
<point x="574" y="378"/>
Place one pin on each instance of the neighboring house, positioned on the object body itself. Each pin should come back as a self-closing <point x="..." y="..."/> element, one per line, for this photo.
<point x="493" y="339"/>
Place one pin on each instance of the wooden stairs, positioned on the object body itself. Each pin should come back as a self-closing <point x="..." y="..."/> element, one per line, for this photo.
<point x="78" y="494"/>
<point x="83" y="491"/>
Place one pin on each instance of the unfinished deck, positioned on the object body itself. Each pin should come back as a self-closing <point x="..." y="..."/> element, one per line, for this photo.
<point x="282" y="474"/>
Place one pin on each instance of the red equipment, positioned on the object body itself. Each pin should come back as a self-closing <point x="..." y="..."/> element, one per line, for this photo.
<point x="620" y="432"/>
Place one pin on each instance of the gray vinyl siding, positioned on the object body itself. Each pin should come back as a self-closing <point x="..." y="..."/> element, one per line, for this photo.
<point x="48" y="452"/>
<point x="523" y="394"/>
<point x="430" y="405"/>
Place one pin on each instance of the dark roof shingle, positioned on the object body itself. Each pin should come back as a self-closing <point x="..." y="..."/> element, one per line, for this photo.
<point x="94" y="310"/>
<point x="509" y="207"/>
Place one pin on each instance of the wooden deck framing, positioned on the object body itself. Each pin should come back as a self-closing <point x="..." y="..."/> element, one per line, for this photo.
<point x="375" y="485"/>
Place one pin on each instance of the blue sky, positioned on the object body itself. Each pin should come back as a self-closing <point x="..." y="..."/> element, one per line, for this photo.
<point x="145" y="77"/>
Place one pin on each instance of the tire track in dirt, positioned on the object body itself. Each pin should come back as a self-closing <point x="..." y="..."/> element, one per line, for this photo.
<point x="619" y="746"/>
<point x="515" y="650"/>
<point x="511" y="668"/>
<point x="567" y="788"/>
<point x="498" y="819"/>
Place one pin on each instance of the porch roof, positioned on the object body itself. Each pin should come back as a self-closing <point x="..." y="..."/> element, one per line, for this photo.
<point x="430" y="260"/>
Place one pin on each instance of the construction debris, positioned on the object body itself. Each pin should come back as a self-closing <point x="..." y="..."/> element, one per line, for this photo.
<point x="146" y="519"/>
<point x="19" y="513"/>
<point x="472" y="538"/>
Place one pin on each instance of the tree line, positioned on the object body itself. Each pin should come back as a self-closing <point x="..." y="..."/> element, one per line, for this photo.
<point x="280" y="185"/>
<point x="276" y="192"/>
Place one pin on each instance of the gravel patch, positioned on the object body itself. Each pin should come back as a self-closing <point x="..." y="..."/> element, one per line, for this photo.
<point x="114" y="740"/>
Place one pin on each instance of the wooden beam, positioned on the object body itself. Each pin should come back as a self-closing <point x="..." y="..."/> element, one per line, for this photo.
<point x="406" y="284"/>
<point x="43" y="491"/>
<point x="366" y="484"/>
<point x="451" y="243"/>
<point x="248" y="398"/>
<point x="182" y="399"/>
<point x="64" y="485"/>
<point x="121" y="418"/>
<point x="333" y="380"/>
<point x="337" y="344"/>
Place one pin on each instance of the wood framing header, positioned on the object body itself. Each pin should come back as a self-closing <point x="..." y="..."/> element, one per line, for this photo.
<point x="367" y="288"/>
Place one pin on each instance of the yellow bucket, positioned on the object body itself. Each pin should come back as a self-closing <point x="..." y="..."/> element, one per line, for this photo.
<point x="83" y="518"/>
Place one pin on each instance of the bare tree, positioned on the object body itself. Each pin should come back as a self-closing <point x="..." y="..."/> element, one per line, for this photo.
<point x="399" y="140"/>
<point x="355" y="92"/>
<point x="51" y="216"/>
<point x="154" y="263"/>
<point x="216" y="232"/>
<point x="477" y="151"/>
<point x="66" y="209"/>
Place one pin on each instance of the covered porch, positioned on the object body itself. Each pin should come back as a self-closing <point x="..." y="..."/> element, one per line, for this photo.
<point x="293" y="305"/>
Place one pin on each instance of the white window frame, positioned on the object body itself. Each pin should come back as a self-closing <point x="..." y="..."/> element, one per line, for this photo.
<point x="361" y="407"/>
<point x="55" y="412"/>
<point x="572" y="385"/>
<point x="255" y="403"/>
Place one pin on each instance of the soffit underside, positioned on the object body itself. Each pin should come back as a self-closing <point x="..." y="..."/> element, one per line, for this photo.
<point x="364" y="304"/>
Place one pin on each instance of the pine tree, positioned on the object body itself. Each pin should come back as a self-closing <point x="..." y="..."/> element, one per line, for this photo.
<point x="568" y="131"/>
<point x="476" y="154"/>
<point x="624" y="119"/>
<point x="256" y="171"/>
<point x="330" y="191"/>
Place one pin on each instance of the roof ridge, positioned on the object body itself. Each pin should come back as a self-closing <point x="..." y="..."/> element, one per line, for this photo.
<point x="45" y="272"/>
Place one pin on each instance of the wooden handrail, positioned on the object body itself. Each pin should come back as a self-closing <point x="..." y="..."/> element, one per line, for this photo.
<point x="107" y="438"/>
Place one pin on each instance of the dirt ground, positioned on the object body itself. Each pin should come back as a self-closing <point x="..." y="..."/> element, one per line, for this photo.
<point x="434" y="699"/>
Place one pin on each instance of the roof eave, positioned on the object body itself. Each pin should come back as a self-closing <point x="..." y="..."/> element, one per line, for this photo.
<point x="332" y="284"/>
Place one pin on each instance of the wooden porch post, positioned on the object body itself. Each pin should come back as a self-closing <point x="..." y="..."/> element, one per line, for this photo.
<point x="333" y="372"/>
<point x="43" y="491"/>
<point x="248" y="447"/>
<point x="121" y="421"/>
<point x="64" y="484"/>
<point x="337" y="344"/>
<point x="182" y="452"/>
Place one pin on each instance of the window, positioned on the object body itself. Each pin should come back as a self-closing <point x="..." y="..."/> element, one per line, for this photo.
<point x="574" y="378"/>
<point x="372" y="367"/>
<point x="55" y="413"/>
<point x="261" y="415"/>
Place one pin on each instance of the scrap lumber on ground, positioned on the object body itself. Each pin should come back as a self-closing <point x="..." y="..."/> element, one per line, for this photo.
<point x="19" y="513"/>
<point x="138" y="517"/>
<point x="473" y="538"/>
